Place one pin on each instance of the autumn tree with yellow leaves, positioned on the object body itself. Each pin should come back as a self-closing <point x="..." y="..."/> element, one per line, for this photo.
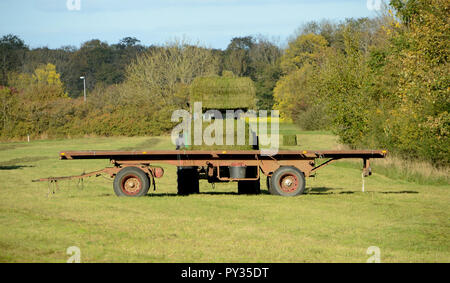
<point x="384" y="82"/>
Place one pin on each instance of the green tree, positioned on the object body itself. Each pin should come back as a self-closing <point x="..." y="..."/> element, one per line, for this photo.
<point x="8" y="103"/>
<point x="292" y="93"/>
<point x="306" y="49"/>
<point x="236" y="57"/>
<point x="421" y="120"/>
<point x="12" y="52"/>
<point x="265" y="65"/>
<point x="59" y="57"/>
<point x="156" y="76"/>
<point x="94" y="60"/>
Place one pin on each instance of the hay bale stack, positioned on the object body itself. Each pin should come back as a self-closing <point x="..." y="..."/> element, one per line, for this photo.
<point x="289" y="140"/>
<point x="223" y="93"/>
<point x="248" y="139"/>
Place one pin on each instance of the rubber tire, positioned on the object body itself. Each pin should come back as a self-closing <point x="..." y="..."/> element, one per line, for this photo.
<point x="127" y="171"/>
<point x="275" y="189"/>
<point x="188" y="181"/>
<point x="250" y="187"/>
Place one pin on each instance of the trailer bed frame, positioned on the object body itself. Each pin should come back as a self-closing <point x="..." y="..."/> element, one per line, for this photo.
<point x="210" y="164"/>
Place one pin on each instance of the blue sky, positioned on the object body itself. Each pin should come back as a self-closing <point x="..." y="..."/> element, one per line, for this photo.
<point x="212" y="22"/>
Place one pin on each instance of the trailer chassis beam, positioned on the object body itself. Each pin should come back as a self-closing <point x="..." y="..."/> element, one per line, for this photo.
<point x="329" y="161"/>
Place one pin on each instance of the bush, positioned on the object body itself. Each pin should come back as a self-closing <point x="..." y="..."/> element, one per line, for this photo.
<point x="314" y="118"/>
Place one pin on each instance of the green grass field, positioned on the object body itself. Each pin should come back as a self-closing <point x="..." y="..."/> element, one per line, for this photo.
<point x="334" y="222"/>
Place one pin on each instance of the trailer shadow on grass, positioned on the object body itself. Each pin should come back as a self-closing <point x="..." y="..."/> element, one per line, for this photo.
<point x="200" y="194"/>
<point x="331" y="191"/>
<point x="15" y="163"/>
<point x="14" y="167"/>
<point x="326" y="191"/>
<point x="263" y="192"/>
<point x="398" y="192"/>
<point x="322" y="191"/>
<point x="153" y="194"/>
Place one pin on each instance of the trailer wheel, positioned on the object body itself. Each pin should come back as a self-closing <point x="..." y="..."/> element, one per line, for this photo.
<point x="188" y="181"/>
<point x="250" y="187"/>
<point x="131" y="182"/>
<point x="287" y="181"/>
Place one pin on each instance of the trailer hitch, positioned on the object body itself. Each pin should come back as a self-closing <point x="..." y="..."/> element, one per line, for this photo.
<point x="109" y="170"/>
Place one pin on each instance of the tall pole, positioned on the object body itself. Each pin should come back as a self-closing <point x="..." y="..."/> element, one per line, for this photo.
<point x="84" y="84"/>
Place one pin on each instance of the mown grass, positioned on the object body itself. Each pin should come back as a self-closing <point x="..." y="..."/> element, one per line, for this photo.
<point x="333" y="222"/>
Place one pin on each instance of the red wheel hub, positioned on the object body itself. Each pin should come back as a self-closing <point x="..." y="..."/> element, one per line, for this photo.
<point x="288" y="183"/>
<point x="131" y="185"/>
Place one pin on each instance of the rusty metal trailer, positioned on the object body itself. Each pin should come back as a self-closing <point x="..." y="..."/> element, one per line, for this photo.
<point x="135" y="171"/>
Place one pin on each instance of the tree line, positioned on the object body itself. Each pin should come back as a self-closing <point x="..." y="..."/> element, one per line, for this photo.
<point x="379" y="82"/>
<point x="126" y="82"/>
<point x="105" y="64"/>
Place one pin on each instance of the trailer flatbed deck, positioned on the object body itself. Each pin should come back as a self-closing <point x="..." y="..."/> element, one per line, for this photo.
<point x="135" y="171"/>
<point x="186" y="154"/>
